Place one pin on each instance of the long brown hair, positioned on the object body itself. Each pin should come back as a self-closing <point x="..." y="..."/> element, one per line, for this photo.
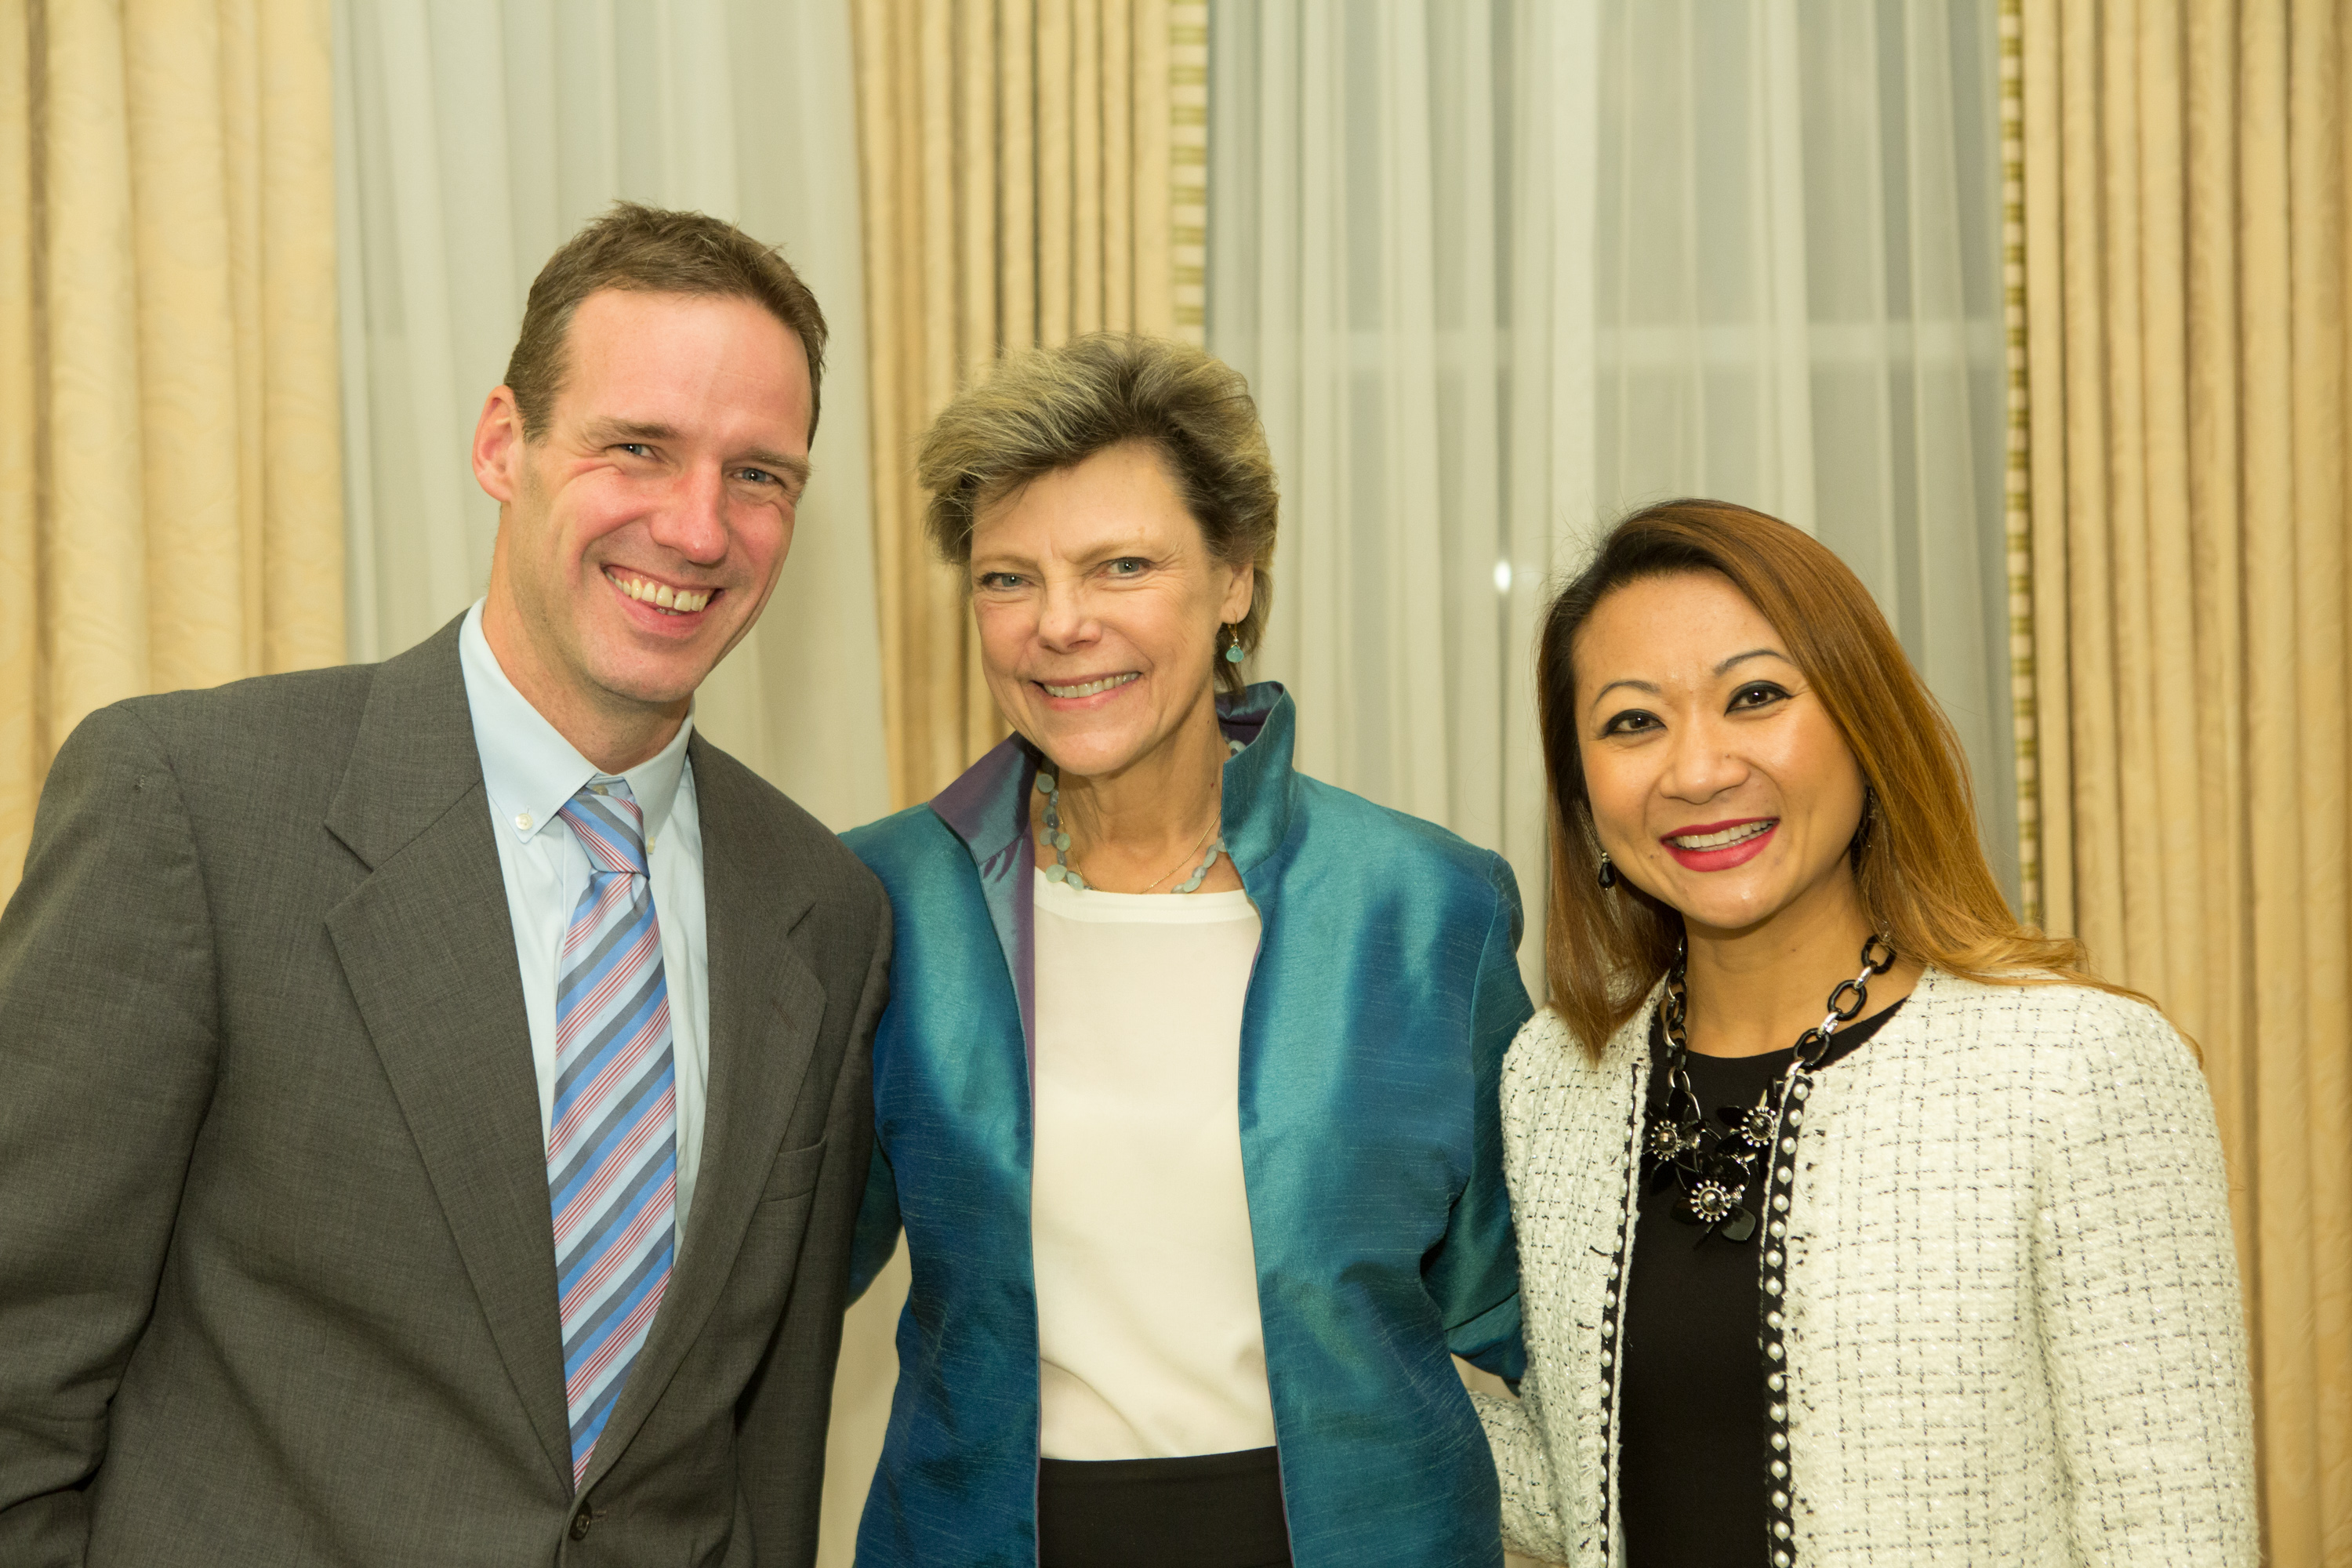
<point x="1923" y="876"/>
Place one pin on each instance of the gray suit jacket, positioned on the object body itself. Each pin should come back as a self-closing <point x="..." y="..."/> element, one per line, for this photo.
<point x="277" y="1273"/>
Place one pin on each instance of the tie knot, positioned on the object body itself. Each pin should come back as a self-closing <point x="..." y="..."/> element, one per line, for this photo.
<point x="610" y="824"/>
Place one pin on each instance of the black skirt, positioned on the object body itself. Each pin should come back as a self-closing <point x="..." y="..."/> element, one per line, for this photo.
<point x="1204" y="1510"/>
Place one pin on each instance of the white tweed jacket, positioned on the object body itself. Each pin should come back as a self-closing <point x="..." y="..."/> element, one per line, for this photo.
<point x="2011" y="1323"/>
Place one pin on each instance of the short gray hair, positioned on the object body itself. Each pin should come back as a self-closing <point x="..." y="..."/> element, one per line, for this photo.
<point x="1043" y="410"/>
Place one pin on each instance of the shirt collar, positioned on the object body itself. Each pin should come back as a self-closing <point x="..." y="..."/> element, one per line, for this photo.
<point x="529" y="769"/>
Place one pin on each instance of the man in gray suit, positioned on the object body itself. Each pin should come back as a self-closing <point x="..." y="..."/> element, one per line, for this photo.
<point x="435" y="1094"/>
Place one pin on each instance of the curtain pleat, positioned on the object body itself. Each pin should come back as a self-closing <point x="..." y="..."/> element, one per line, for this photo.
<point x="2017" y="467"/>
<point x="293" y="294"/>
<point x="21" y="726"/>
<point x="2186" y="166"/>
<point x="1019" y="162"/>
<point x="170" y="484"/>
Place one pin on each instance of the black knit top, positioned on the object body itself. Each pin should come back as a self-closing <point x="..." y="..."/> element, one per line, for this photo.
<point x="1691" y="1460"/>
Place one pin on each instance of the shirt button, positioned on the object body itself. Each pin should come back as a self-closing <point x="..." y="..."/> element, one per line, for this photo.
<point x="522" y="821"/>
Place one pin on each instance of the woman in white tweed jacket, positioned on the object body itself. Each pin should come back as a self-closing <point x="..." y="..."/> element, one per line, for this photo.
<point x="1944" y="1277"/>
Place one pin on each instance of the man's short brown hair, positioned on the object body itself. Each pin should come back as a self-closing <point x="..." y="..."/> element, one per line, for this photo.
<point x="655" y="251"/>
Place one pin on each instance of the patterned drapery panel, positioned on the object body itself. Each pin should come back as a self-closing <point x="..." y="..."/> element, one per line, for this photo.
<point x="2185" y="187"/>
<point x="171" y="508"/>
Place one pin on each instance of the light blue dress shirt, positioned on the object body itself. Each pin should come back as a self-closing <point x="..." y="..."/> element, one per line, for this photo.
<point x="530" y="771"/>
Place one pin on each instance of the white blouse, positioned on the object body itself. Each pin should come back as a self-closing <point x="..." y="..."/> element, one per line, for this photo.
<point x="1148" y="1333"/>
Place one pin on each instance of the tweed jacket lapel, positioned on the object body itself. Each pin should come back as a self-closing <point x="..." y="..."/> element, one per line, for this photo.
<point x="765" y="1005"/>
<point x="427" y="947"/>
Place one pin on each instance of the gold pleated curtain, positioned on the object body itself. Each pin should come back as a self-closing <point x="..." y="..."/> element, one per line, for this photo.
<point x="2185" y="261"/>
<point x="171" y="500"/>
<point x="1030" y="169"/>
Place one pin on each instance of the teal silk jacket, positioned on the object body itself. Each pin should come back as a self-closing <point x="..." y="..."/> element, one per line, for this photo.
<point x="1385" y="991"/>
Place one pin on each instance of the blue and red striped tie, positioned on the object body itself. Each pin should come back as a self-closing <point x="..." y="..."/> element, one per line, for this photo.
<point x="612" y="1146"/>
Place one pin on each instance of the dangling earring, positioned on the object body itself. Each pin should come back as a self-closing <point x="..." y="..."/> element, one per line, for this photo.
<point x="1862" y="829"/>
<point x="1233" y="647"/>
<point x="1608" y="878"/>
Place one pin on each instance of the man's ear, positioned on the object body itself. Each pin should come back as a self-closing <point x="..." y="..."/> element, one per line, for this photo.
<point x="499" y="446"/>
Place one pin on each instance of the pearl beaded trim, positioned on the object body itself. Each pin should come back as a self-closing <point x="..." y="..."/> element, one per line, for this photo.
<point x="1611" y="1321"/>
<point x="1781" y="1517"/>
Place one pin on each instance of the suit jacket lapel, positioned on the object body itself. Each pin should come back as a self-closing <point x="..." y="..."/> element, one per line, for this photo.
<point x="765" y="1005"/>
<point x="427" y="946"/>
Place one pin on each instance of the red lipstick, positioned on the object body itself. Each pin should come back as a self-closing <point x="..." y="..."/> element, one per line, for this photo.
<point x="1721" y="858"/>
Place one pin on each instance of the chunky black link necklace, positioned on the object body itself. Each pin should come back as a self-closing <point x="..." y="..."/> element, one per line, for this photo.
<point x="1714" y="1165"/>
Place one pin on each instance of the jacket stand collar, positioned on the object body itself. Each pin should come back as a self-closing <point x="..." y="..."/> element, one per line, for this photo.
<point x="988" y="808"/>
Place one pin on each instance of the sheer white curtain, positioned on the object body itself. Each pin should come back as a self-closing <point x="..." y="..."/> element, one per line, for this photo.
<point x="1500" y="270"/>
<point x="471" y="140"/>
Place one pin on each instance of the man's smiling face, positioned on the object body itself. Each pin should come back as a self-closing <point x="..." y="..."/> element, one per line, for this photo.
<point x="641" y="533"/>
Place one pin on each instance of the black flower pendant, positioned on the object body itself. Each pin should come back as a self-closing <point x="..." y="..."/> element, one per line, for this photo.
<point x="1668" y="1139"/>
<point x="1713" y="1201"/>
<point x="1715" y="1168"/>
<point x="1751" y="1124"/>
<point x="1710" y="1202"/>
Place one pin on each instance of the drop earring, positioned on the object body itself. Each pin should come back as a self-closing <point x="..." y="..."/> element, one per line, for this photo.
<point x="1862" y="830"/>
<point x="1233" y="647"/>
<point x="1608" y="878"/>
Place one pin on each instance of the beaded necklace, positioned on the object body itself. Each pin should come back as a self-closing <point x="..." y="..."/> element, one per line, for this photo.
<point x="1064" y="868"/>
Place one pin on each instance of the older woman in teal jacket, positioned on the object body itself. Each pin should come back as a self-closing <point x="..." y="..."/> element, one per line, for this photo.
<point x="1185" y="1099"/>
